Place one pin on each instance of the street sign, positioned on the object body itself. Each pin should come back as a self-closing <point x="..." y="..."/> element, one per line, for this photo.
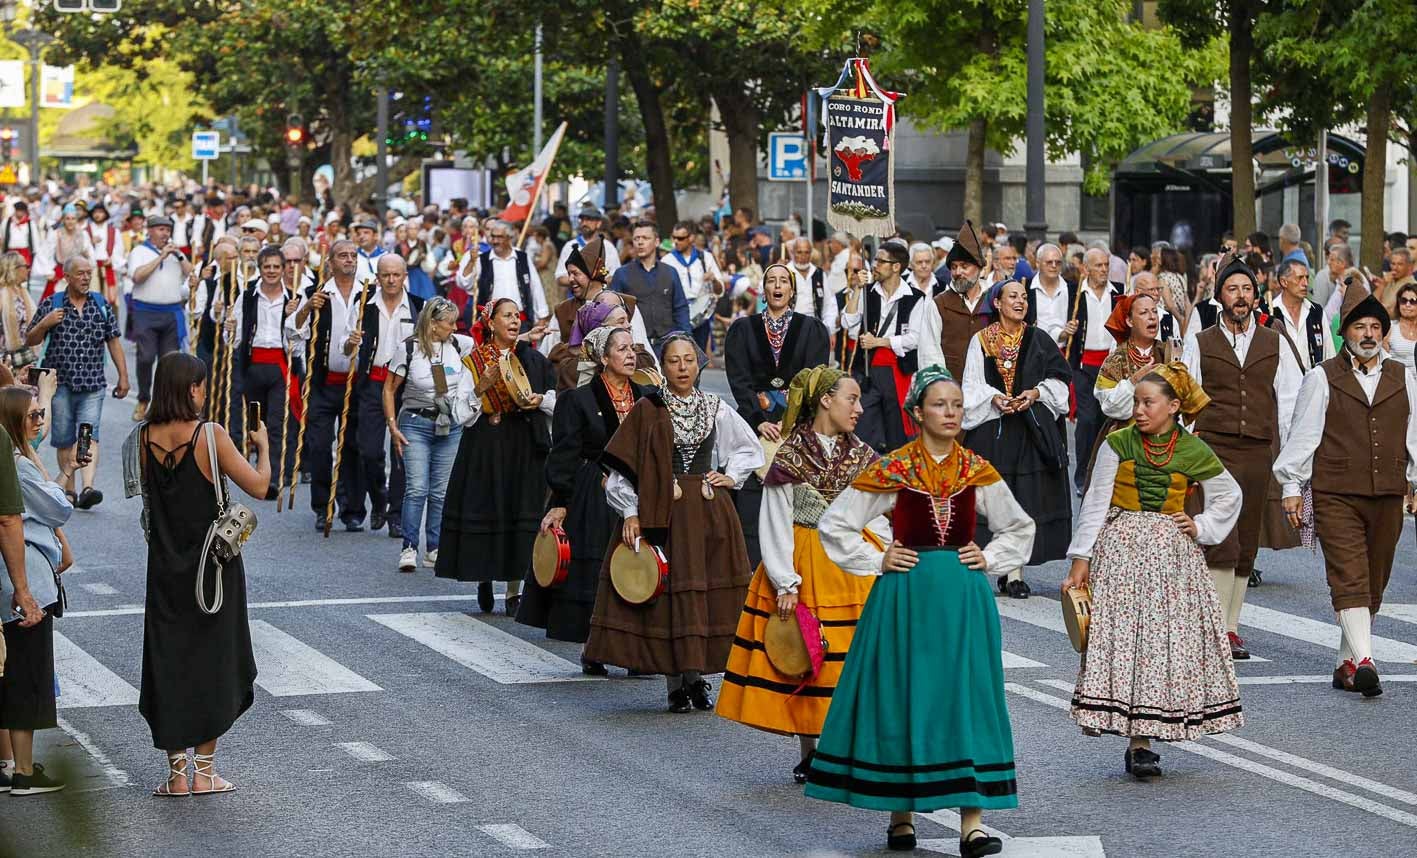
<point x="8" y="176"/>
<point x="206" y="145"/>
<point x="787" y="157"/>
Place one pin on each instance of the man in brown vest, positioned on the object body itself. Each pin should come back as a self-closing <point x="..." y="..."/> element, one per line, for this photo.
<point x="1252" y="377"/>
<point x="586" y="275"/>
<point x="957" y="313"/>
<point x="1354" y="440"/>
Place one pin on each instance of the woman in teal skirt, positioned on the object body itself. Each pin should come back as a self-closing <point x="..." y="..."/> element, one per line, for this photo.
<point x="904" y="732"/>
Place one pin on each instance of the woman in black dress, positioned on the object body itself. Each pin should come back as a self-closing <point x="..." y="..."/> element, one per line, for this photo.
<point x="494" y="503"/>
<point x="763" y="352"/>
<point x="198" y="669"/>
<point x="585" y="419"/>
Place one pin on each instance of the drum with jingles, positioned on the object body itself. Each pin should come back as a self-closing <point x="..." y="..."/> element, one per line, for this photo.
<point x="515" y="381"/>
<point x="551" y="557"/>
<point x="1077" y="615"/>
<point x="639" y="574"/>
<point x="647" y="377"/>
<point x="785" y="645"/>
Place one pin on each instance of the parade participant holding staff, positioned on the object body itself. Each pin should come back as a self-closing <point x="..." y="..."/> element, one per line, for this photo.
<point x="885" y="322"/>
<point x="894" y="738"/>
<point x="491" y="518"/>
<point x="763" y="352"/>
<point x="379" y="333"/>
<point x="1355" y="415"/>
<point x="110" y="257"/>
<point x="427" y="398"/>
<point x="1157" y="663"/>
<point x="586" y="418"/>
<point x="1016" y="388"/>
<point x="818" y="458"/>
<point x="664" y="486"/>
<point x="1252" y="375"/>
<point x="329" y="369"/>
<point x="958" y="312"/>
<point x="1088" y="343"/>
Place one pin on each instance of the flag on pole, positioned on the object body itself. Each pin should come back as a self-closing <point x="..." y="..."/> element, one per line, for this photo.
<point x="524" y="186"/>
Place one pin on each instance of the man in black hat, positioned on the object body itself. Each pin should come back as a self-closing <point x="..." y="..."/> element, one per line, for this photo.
<point x="1353" y="439"/>
<point x="158" y="318"/>
<point x="590" y="221"/>
<point x="956" y="314"/>
<point x="1252" y="376"/>
<point x="109" y="257"/>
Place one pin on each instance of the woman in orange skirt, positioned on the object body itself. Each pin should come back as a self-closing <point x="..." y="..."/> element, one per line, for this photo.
<point x="819" y="457"/>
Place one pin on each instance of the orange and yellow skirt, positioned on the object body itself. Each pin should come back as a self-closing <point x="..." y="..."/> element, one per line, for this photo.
<point x="755" y="694"/>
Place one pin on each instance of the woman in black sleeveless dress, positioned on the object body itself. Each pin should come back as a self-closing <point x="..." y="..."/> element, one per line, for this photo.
<point x="198" y="669"/>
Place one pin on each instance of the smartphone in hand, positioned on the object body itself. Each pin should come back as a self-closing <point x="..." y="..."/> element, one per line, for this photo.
<point x="83" y="451"/>
<point x="253" y="415"/>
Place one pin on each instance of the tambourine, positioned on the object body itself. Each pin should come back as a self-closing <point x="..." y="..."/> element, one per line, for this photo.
<point x="785" y="647"/>
<point x="1077" y="615"/>
<point x="647" y="377"/>
<point x="551" y="557"/>
<point x="515" y="381"/>
<point x="770" y="449"/>
<point x="640" y="574"/>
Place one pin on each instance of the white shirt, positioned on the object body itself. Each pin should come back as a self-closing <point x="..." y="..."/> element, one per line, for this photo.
<point x="340" y="319"/>
<point x="419" y="390"/>
<point x="979" y="395"/>
<point x="394" y="327"/>
<point x="932" y="326"/>
<point x="98" y="236"/>
<point x="504" y="282"/>
<point x="694" y="272"/>
<point x="367" y="264"/>
<point x="1295" y="463"/>
<point x="269" y="320"/>
<point x="1097" y="337"/>
<point x="1222" y="505"/>
<point x="19" y="233"/>
<point x="179" y="232"/>
<point x="836" y="272"/>
<point x="736" y="453"/>
<point x="1053" y="309"/>
<point x="840" y="528"/>
<point x="806" y="302"/>
<point x="1299" y="332"/>
<point x="612" y="258"/>
<point x="908" y="340"/>
<point x="1287" y="377"/>
<point x="166" y="285"/>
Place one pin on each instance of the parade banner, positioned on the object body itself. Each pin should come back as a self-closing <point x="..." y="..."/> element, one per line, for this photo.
<point x="859" y="118"/>
<point x="524" y="186"/>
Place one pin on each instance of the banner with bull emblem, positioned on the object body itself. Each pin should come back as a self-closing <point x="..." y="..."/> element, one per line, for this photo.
<point x="859" y="118"/>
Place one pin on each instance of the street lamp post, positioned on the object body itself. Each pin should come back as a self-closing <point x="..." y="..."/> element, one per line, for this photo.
<point x="1035" y="178"/>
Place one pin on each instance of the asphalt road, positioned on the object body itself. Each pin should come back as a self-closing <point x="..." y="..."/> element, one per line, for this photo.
<point x="391" y="719"/>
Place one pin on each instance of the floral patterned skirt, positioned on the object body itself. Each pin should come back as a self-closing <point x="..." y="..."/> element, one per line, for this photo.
<point x="1157" y="661"/>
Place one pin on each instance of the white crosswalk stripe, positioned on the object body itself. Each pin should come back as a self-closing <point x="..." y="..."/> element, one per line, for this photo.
<point x="1321" y="633"/>
<point x="83" y="681"/>
<point x="495" y="654"/>
<point x="289" y="668"/>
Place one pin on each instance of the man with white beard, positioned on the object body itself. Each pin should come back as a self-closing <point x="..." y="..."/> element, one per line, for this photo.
<point x="1353" y="437"/>
<point x="953" y="318"/>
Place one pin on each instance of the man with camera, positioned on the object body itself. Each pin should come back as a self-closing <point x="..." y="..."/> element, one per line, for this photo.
<point x="158" y="319"/>
<point x="78" y="324"/>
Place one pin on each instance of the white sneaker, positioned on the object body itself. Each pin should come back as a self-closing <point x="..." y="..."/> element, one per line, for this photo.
<point x="430" y="559"/>
<point x="408" y="559"/>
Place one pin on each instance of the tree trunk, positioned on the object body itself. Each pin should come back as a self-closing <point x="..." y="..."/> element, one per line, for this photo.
<point x="741" y="123"/>
<point x="974" y="173"/>
<point x="1375" y="175"/>
<point x="1242" y="155"/>
<point x="660" y="165"/>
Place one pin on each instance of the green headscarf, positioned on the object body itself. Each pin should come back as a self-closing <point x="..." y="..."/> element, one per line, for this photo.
<point x="924" y="377"/>
<point x="805" y="393"/>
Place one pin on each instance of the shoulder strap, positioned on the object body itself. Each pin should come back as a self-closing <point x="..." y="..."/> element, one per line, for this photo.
<point x="209" y="429"/>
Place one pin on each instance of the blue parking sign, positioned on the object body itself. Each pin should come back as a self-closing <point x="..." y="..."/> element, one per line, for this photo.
<point x="787" y="157"/>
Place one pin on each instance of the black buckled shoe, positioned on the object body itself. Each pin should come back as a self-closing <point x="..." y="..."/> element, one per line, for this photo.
<point x="395" y="530"/>
<point x="513" y="602"/>
<point x="679" y="701"/>
<point x="1365" y="679"/>
<point x="352" y="524"/>
<point x="319" y="523"/>
<point x="484" y="596"/>
<point x="799" y="772"/>
<point x="1256" y="578"/>
<point x="1143" y="763"/>
<point x="1016" y="589"/>
<point x="593" y="668"/>
<point x="699" y="694"/>
<point x="977" y="843"/>
<point x="377" y="520"/>
<point x="900" y="837"/>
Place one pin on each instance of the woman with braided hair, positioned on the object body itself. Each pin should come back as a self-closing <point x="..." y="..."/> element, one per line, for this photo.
<point x="820" y="455"/>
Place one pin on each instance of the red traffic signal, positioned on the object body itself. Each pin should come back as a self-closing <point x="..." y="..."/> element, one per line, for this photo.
<point x="295" y="130"/>
<point x="7" y="135"/>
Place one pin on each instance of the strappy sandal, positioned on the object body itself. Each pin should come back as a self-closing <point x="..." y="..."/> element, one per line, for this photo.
<point x="203" y="767"/>
<point x="176" y="766"/>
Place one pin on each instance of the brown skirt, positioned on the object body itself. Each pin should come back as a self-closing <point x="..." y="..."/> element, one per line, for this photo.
<point x="691" y="626"/>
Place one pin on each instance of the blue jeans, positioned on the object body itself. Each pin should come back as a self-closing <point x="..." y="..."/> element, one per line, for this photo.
<point x="427" y="463"/>
<point x="69" y="410"/>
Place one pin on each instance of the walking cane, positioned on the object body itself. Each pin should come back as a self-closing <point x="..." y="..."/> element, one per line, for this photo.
<point x="285" y="397"/>
<point x="1068" y="338"/>
<point x="344" y="409"/>
<point x="233" y="291"/>
<point x="305" y="387"/>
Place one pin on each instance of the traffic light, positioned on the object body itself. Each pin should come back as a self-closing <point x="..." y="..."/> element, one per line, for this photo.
<point x="294" y="130"/>
<point x="7" y="143"/>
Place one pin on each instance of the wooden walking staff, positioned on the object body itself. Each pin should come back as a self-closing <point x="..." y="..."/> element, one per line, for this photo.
<point x="285" y="378"/>
<point x="227" y="348"/>
<point x="310" y="347"/>
<point x="344" y="409"/>
<point x="1068" y="338"/>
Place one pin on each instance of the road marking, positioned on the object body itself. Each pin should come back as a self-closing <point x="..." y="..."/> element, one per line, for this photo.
<point x="129" y="610"/>
<point x="1014" y="847"/>
<point x="99" y="588"/>
<point x="1321" y="633"/>
<point x="495" y="654"/>
<point x="434" y="791"/>
<point x="1405" y="613"/>
<point x="1321" y="769"/>
<point x="1012" y="660"/>
<point x="1048" y="614"/>
<point x="115" y="775"/>
<point x="290" y="668"/>
<point x="1325" y="679"/>
<point x="306" y="717"/>
<point x="84" y="682"/>
<point x="364" y="752"/>
<point x="513" y="836"/>
<point x="1248" y="765"/>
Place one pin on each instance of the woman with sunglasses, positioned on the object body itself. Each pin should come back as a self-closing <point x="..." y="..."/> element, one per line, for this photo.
<point x="1402" y="341"/>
